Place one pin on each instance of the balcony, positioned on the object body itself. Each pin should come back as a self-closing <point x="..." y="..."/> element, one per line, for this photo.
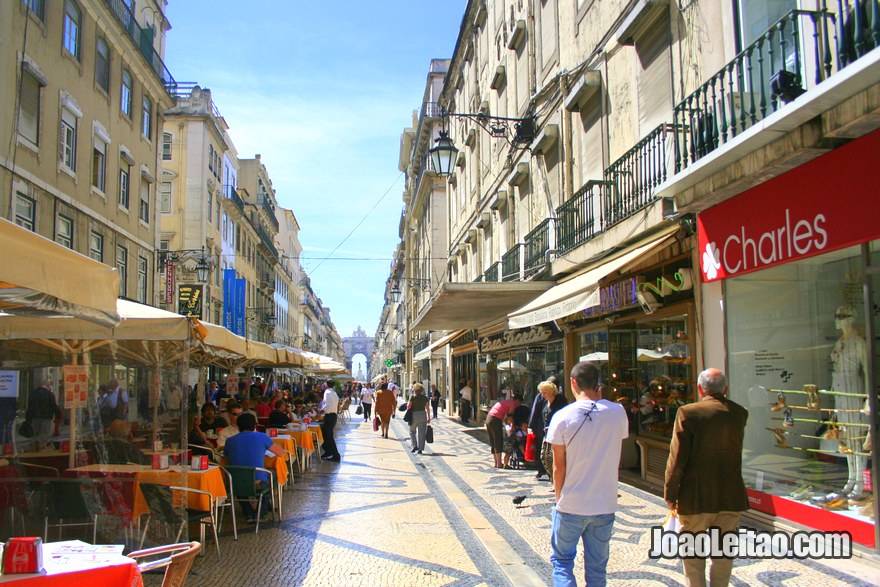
<point x="230" y="192"/>
<point x="630" y="181"/>
<point x="577" y="220"/>
<point x="512" y="262"/>
<point x="537" y="243"/>
<point x="143" y="40"/>
<point x="797" y="53"/>
<point x="267" y="241"/>
<point x="491" y="273"/>
<point x="269" y="210"/>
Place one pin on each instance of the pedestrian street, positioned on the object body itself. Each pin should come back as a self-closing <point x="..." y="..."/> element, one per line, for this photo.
<point x="384" y="516"/>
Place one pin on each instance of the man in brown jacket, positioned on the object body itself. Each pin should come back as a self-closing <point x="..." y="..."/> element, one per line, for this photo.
<point x="704" y="481"/>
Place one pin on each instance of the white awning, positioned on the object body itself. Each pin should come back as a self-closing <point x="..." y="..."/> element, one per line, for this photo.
<point x="576" y="294"/>
<point x="423" y="354"/>
<point x="437" y="344"/>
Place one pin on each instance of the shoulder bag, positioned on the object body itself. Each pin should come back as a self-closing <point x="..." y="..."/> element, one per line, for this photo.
<point x="547" y="448"/>
<point x="429" y="434"/>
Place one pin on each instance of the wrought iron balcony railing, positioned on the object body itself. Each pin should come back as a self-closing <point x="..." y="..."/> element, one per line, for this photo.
<point x="230" y="192"/>
<point x="798" y="52"/>
<point x="512" y="263"/>
<point x="630" y="181"/>
<point x="268" y="242"/>
<point x="269" y="210"/>
<point x="578" y="219"/>
<point x="143" y="40"/>
<point x="491" y="273"/>
<point x="537" y="243"/>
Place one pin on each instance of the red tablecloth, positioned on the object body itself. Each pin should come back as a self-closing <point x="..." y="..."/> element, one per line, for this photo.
<point x="68" y="572"/>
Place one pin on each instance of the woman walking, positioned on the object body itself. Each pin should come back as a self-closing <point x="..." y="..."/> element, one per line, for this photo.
<point x="385" y="406"/>
<point x="367" y="400"/>
<point x="547" y="403"/>
<point x="495" y="425"/>
<point x="418" y="408"/>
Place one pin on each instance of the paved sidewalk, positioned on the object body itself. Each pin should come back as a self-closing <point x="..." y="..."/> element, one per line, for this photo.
<point x="385" y="516"/>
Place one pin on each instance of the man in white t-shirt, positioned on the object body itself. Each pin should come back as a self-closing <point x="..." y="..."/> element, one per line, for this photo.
<point x="330" y="406"/>
<point x="586" y="437"/>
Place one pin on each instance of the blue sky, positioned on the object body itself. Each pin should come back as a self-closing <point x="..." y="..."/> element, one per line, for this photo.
<point x="322" y="93"/>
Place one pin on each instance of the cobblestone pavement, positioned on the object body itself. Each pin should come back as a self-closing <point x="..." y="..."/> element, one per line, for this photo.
<point x="385" y="516"/>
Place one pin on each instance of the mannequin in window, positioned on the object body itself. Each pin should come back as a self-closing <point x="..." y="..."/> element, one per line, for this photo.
<point x="849" y="363"/>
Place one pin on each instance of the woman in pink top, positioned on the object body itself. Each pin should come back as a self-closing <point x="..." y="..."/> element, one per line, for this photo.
<point x="495" y="425"/>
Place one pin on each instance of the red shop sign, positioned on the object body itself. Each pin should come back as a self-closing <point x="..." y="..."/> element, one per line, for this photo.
<point x="827" y="204"/>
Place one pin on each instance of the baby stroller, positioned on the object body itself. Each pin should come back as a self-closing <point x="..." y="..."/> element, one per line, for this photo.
<point x="514" y="446"/>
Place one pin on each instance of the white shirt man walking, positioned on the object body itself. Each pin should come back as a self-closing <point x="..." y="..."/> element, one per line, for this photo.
<point x="330" y="406"/>
<point x="586" y="437"/>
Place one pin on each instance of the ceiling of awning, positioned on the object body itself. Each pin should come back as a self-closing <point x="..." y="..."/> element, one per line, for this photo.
<point x="471" y="305"/>
<point x="40" y="277"/>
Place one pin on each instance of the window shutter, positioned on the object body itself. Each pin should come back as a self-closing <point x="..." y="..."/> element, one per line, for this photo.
<point x="655" y="79"/>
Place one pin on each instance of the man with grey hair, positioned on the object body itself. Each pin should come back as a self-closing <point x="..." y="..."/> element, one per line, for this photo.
<point x="704" y="481"/>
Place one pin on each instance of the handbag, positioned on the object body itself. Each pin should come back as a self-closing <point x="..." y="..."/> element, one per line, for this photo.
<point x="359" y="410"/>
<point x="408" y="417"/>
<point x="429" y="434"/>
<point x="26" y="429"/>
<point x="530" y="447"/>
<point x="375" y="423"/>
<point x="547" y="456"/>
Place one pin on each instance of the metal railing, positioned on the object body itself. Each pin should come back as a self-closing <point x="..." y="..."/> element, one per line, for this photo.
<point x="270" y="212"/>
<point x="143" y="40"/>
<point x="776" y="68"/>
<point x="578" y="219"/>
<point x="537" y="243"/>
<point x="630" y="181"/>
<point x="230" y="192"/>
<point x="511" y="263"/>
<point x="491" y="273"/>
<point x="267" y="240"/>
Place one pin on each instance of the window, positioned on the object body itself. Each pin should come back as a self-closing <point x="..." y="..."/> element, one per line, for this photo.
<point x="147" y="118"/>
<point x="25" y="211"/>
<point x="124" y="184"/>
<point x="64" y="231"/>
<point x="125" y="94"/>
<point x="122" y="267"/>
<point x="96" y="246"/>
<point x="72" y="28"/>
<point x="29" y="108"/>
<point x="142" y="280"/>
<point x="165" y="197"/>
<point x="102" y="64"/>
<point x="166" y="146"/>
<point x="38" y="7"/>
<point x="211" y="159"/>
<point x="99" y="165"/>
<point x="68" y="139"/>
<point x="144" y="206"/>
<point x="210" y="204"/>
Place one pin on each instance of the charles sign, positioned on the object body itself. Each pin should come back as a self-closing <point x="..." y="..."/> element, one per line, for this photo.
<point x="818" y="207"/>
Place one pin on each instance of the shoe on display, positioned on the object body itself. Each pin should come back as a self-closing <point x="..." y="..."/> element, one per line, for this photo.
<point x="813" y="402"/>
<point x="867" y="445"/>
<point x="860" y="498"/>
<point x="839" y="503"/>
<point x="788" y="421"/>
<point x="820" y="499"/>
<point x="780" y="403"/>
<point x="802" y="492"/>
<point x="779" y="435"/>
<point x="842" y="447"/>
<point x="833" y="433"/>
<point x="867" y="509"/>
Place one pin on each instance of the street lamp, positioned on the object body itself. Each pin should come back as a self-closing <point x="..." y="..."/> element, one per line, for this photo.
<point x="203" y="265"/>
<point x="523" y="132"/>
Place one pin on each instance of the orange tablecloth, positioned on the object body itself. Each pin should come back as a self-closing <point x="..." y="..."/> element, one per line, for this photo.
<point x="210" y="480"/>
<point x="303" y="439"/>
<point x="67" y="571"/>
<point x="272" y="463"/>
<point x="317" y="428"/>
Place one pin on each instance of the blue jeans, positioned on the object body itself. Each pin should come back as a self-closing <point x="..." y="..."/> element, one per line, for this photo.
<point x="595" y="531"/>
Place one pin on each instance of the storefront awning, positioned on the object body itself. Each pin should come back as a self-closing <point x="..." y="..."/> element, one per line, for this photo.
<point x="423" y="354"/>
<point x="437" y="344"/>
<point x="40" y="277"/>
<point x="578" y="293"/>
<point x="471" y="305"/>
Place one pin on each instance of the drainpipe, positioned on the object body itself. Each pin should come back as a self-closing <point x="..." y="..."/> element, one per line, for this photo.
<point x="533" y="72"/>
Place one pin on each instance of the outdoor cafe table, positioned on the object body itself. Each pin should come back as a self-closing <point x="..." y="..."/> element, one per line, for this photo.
<point x="302" y="437"/>
<point x="272" y="463"/>
<point x="317" y="428"/>
<point x="71" y="570"/>
<point x="56" y="459"/>
<point x="210" y="480"/>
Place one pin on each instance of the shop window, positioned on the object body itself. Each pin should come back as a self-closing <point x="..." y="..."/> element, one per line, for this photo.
<point x="798" y="361"/>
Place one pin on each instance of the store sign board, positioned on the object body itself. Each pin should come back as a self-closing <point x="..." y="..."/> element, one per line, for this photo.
<point x="189" y="300"/>
<point x="818" y="207"/>
<point x="8" y="383"/>
<point x="620" y="295"/>
<point x="76" y="385"/>
<point x="513" y="338"/>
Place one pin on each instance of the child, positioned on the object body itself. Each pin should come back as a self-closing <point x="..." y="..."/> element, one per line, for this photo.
<point x="509" y="440"/>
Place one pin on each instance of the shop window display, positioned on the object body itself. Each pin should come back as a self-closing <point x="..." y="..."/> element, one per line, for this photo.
<point x="798" y="360"/>
<point x="519" y="371"/>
